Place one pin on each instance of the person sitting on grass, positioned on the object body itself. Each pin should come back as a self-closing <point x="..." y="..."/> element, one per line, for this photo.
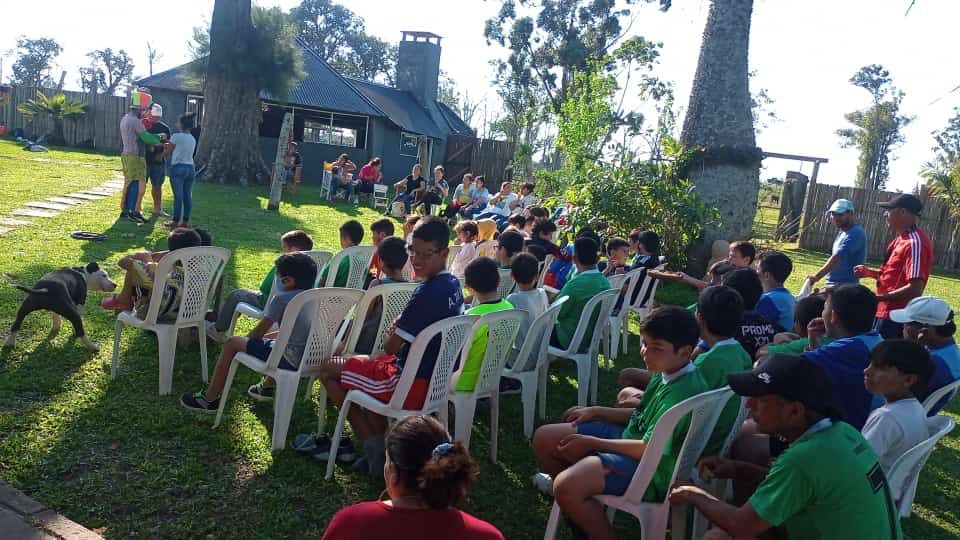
<point x="379" y="230"/>
<point x="427" y="476"/>
<point x="616" y="264"/>
<point x="296" y="272"/>
<point x="740" y="255"/>
<point x="827" y="484"/>
<point x="438" y="297"/>
<point x="140" y="279"/>
<point x="482" y="279"/>
<point x="795" y="342"/>
<point x="899" y="371"/>
<point x="467" y="232"/>
<point x="776" y="303"/>
<point x="597" y="449"/>
<point x="508" y="245"/>
<point x="579" y="290"/>
<point x="351" y="234"/>
<point x="929" y="321"/>
<point x="290" y="242"/>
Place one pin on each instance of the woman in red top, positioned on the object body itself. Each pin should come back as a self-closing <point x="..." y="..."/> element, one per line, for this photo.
<point x="427" y="476"/>
<point x="369" y="175"/>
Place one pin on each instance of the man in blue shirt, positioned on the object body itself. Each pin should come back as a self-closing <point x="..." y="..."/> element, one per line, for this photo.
<point x="849" y="247"/>
<point x="847" y="319"/>
<point x="776" y="303"/>
<point x="929" y="320"/>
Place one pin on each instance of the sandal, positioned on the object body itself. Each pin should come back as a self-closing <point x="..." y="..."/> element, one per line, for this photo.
<point x="113" y="303"/>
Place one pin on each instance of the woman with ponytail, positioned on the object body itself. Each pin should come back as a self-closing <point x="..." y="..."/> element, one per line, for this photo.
<point x="427" y="476"/>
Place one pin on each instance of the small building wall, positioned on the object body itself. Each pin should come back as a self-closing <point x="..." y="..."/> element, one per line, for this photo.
<point x="174" y="104"/>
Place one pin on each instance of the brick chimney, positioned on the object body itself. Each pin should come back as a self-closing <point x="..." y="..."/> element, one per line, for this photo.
<point x="418" y="65"/>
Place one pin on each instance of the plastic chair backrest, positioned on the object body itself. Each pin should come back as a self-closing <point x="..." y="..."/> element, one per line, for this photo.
<point x="394" y="298"/>
<point x="634" y="278"/>
<point x="327" y="166"/>
<point x="735" y="429"/>
<point x="454" y="250"/>
<point x="533" y="350"/>
<point x="202" y="267"/>
<point x="326" y="309"/>
<point x="359" y="257"/>
<point x="905" y="471"/>
<point x="502" y="328"/>
<point x="704" y="410"/>
<point x="544" y="266"/>
<point x="451" y="332"/>
<point x="938" y="394"/>
<point x="616" y="281"/>
<point x="321" y="258"/>
<point x="506" y="283"/>
<point x="380" y="189"/>
<point x="597" y="308"/>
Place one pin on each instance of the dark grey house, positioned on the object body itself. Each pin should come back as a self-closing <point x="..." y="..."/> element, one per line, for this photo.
<point x="334" y="114"/>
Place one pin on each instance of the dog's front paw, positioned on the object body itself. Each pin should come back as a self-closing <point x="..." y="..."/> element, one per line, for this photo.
<point x="91" y="346"/>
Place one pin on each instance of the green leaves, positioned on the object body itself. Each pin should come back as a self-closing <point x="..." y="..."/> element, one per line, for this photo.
<point x="57" y="106"/>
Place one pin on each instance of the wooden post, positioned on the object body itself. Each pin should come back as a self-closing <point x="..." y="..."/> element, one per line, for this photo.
<point x="276" y="186"/>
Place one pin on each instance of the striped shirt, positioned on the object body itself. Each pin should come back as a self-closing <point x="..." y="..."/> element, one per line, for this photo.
<point x="909" y="257"/>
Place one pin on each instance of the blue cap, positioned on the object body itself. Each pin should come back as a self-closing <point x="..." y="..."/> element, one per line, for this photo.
<point x="841" y="206"/>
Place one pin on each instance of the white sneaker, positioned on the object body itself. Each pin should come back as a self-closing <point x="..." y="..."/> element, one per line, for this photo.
<point x="160" y="213"/>
<point x="543" y="482"/>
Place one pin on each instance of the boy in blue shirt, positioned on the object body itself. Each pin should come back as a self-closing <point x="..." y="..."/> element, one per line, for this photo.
<point x="929" y="320"/>
<point x="776" y="303"/>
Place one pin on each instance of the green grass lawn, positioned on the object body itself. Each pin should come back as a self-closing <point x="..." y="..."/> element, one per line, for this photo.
<point x="113" y="455"/>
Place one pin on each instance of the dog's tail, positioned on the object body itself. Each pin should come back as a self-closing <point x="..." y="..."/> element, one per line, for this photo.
<point x="32" y="291"/>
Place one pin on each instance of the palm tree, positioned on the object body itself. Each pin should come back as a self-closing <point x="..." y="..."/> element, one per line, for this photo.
<point x="943" y="182"/>
<point x="719" y="118"/>
<point x="59" y="107"/>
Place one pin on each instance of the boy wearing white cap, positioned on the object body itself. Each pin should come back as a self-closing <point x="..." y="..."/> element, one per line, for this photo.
<point x="849" y="247"/>
<point x="929" y="320"/>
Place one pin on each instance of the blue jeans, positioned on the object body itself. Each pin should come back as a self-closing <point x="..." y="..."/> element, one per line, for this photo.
<point x="407" y="199"/>
<point x="182" y="177"/>
<point x="474" y="212"/>
<point x="130" y="198"/>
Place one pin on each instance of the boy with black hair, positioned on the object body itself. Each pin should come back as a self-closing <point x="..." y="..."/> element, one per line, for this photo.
<point x="579" y="290"/>
<point x="526" y="296"/>
<point x="755" y="330"/>
<point x="516" y="223"/>
<point x="351" y="234"/>
<point x="597" y="449"/>
<point x="776" y="303"/>
<point x="740" y="254"/>
<point x="379" y="230"/>
<point x="899" y="371"/>
<point x="795" y="342"/>
<point x="509" y="244"/>
<point x="437" y="297"/>
<point x="617" y="251"/>
<point x="541" y="243"/>
<point x="296" y="273"/>
<point x="482" y="279"/>
<point x="392" y="252"/>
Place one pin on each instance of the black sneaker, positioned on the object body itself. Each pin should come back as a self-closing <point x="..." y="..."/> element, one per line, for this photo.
<point x="345" y="452"/>
<point x="510" y="387"/>
<point x="196" y="402"/>
<point x="138" y="217"/>
<point x="261" y="392"/>
<point x="124" y="215"/>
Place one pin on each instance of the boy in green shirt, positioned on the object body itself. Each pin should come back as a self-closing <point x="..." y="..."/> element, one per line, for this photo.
<point x="827" y="484"/>
<point x="579" y="290"/>
<point x="807" y="309"/>
<point x="482" y="278"/>
<point x="351" y="234"/>
<point x="597" y="449"/>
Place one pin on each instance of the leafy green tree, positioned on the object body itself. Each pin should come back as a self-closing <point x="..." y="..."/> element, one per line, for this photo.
<point x="877" y="130"/>
<point x="58" y="107"/>
<point x="107" y="72"/>
<point x="34" y="60"/>
<point x="948" y="139"/>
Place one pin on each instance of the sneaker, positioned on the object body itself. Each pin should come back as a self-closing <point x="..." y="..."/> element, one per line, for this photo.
<point x="261" y="392"/>
<point x="137" y="217"/>
<point x="213" y="333"/>
<point x="114" y="304"/>
<point x="160" y="213"/>
<point x="543" y="482"/>
<point x="196" y="402"/>
<point x="345" y="452"/>
<point x="124" y="215"/>
<point x="509" y="387"/>
<point x="308" y="442"/>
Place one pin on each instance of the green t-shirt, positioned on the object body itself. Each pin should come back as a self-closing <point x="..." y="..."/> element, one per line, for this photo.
<point x="797" y="346"/>
<point x="471" y="370"/>
<point x="725" y="357"/>
<point x="579" y="290"/>
<point x="829" y="485"/>
<point x="658" y="398"/>
<point x="267" y="284"/>
<point x="343" y="272"/>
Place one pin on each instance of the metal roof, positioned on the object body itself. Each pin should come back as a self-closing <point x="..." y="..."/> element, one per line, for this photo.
<point x="400" y="107"/>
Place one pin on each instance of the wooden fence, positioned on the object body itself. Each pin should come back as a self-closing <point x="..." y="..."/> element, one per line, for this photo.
<point x="818" y="231"/>
<point x="479" y="156"/>
<point x="99" y="128"/>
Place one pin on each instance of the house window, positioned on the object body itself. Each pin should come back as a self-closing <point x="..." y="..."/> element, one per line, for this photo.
<point x="315" y="132"/>
<point x="195" y="105"/>
<point x="409" y="144"/>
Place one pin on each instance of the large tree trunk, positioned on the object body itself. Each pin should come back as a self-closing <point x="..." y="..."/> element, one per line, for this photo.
<point x="228" y="142"/>
<point x="719" y="114"/>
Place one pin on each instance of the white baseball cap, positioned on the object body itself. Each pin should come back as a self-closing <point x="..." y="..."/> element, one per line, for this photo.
<point x="928" y="310"/>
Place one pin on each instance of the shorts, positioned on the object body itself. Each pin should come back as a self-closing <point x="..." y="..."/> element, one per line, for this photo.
<point x="888" y="329"/>
<point x="134" y="167"/>
<point x="156" y="172"/>
<point x="617" y="469"/>
<point x="378" y="376"/>
<point x="260" y="349"/>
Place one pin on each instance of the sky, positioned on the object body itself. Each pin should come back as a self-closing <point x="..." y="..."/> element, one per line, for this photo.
<point x="804" y="54"/>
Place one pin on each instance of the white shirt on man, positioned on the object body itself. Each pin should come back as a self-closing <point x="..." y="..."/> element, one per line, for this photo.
<point x="895" y="428"/>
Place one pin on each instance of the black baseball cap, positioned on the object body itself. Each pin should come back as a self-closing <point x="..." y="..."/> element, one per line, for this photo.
<point x="909" y="202"/>
<point x="791" y="377"/>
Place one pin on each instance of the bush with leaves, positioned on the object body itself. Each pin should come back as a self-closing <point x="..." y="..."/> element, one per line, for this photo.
<point x="58" y="107"/>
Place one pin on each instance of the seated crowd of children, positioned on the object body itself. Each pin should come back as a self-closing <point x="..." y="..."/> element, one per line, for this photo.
<point x="819" y="380"/>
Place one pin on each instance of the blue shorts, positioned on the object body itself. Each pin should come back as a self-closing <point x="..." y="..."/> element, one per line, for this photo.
<point x="617" y="469"/>
<point x="261" y="348"/>
<point x="156" y="172"/>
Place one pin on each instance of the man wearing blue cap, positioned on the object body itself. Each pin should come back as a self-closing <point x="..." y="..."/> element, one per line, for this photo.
<point x="849" y="247"/>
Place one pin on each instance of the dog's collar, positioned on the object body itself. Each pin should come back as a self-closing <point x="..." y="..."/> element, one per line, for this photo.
<point x="82" y="270"/>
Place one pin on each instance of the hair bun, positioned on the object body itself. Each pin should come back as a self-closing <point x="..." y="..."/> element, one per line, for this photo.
<point x="442" y="449"/>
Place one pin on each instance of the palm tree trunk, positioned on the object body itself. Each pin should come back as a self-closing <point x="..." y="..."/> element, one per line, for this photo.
<point x="719" y="113"/>
<point x="229" y="145"/>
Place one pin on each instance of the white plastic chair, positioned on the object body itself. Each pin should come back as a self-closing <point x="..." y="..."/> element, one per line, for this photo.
<point x="547" y="261"/>
<point x="704" y="409"/>
<point x="506" y="283"/>
<point x="451" y="332"/>
<point x="643" y="304"/>
<point x="905" y="471"/>
<point x="619" y="324"/>
<point x="501" y="334"/>
<point x="327" y="308"/>
<point x="380" y="198"/>
<point x="587" y="368"/>
<point x="359" y="257"/>
<point x="530" y="366"/>
<point x="938" y="394"/>
<point x="394" y="297"/>
<point x="321" y="258"/>
<point x="326" y="183"/>
<point x="202" y="267"/>
<point x="454" y="249"/>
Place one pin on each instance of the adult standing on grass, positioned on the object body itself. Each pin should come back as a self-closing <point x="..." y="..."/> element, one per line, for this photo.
<point x="156" y="168"/>
<point x="182" y="172"/>
<point x="849" y="247"/>
<point x="133" y="136"/>
<point x="906" y="266"/>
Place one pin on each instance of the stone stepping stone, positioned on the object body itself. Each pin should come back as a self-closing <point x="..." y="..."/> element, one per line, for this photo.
<point x="118" y="184"/>
<point x="10" y="222"/>
<point x="5" y="230"/>
<point x="34" y="212"/>
<point x="100" y="190"/>
<point x="64" y="200"/>
<point x="48" y="205"/>
<point x="87" y="196"/>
